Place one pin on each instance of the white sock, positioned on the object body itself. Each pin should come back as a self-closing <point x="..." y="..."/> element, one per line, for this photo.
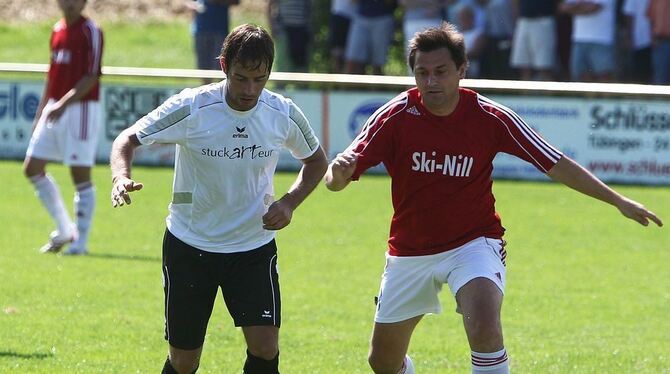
<point x="490" y="363"/>
<point x="47" y="191"/>
<point x="84" y="205"/>
<point x="407" y="366"/>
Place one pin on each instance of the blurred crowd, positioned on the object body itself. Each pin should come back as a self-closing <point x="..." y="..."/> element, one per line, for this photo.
<point x="578" y="40"/>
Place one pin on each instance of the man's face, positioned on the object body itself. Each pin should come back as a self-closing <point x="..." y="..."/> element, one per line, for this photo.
<point x="71" y="8"/>
<point x="437" y="78"/>
<point x="245" y="85"/>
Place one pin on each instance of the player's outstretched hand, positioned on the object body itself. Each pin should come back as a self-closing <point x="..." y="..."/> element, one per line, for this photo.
<point x="121" y="188"/>
<point x="344" y="165"/>
<point x="278" y="216"/>
<point x="637" y="212"/>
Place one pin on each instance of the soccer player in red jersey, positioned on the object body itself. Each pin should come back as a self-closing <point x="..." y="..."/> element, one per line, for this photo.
<point x="66" y="126"/>
<point x="437" y="142"/>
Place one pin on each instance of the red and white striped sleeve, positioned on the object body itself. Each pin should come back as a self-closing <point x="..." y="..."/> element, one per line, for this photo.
<point x="374" y="143"/>
<point x="519" y="139"/>
<point x="94" y="36"/>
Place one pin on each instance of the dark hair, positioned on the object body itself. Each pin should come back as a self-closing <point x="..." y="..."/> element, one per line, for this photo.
<point x="444" y="36"/>
<point x="249" y="45"/>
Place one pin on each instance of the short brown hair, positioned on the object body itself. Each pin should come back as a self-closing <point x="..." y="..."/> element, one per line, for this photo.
<point x="249" y="45"/>
<point x="444" y="36"/>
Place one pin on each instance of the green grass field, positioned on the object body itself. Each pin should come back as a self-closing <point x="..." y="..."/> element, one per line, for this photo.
<point x="587" y="289"/>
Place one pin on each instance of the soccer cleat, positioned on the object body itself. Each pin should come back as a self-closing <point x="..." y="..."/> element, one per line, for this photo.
<point x="57" y="241"/>
<point x="76" y="252"/>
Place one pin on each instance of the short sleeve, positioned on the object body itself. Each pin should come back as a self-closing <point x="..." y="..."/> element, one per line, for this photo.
<point x="167" y="123"/>
<point x="515" y="137"/>
<point x="300" y="140"/>
<point x="373" y="145"/>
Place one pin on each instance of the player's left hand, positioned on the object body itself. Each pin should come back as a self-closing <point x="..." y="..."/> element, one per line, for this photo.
<point x="278" y="216"/>
<point x="55" y="112"/>
<point x="637" y="212"/>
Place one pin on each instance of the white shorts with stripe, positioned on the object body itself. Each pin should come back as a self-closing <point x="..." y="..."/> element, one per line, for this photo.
<point x="410" y="285"/>
<point x="72" y="139"/>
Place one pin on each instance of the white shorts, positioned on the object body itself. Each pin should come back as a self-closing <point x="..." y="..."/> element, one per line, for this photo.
<point x="72" y="139"/>
<point x="534" y="43"/>
<point x="410" y="285"/>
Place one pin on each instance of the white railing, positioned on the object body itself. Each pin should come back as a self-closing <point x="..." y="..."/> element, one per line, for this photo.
<point x="372" y="80"/>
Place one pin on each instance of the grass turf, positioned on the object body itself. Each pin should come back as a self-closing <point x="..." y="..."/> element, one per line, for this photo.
<point x="587" y="289"/>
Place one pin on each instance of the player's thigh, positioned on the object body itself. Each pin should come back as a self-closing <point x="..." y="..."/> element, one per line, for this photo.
<point x="46" y="141"/>
<point x="250" y="286"/>
<point x="409" y="288"/>
<point x="80" y="145"/>
<point x="190" y="291"/>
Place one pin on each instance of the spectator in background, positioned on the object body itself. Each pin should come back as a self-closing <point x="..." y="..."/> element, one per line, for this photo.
<point x="534" y="40"/>
<point x="593" y="57"/>
<point x="294" y="18"/>
<point x="370" y="36"/>
<point x="419" y="15"/>
<point x="210" y="28"/>
<point x="637" y="41"/>
<point x="659" y="16"/>
<point x="454" y="6"/>
<point x="498" y="32"/>
<point x="474" y="39"/>
<point x="341" y="13"/>
<point x="66" y="126"/>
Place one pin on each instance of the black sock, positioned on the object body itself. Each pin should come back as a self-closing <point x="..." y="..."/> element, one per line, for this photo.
<point x="168" y="369"/>
<point x="257" y="365"/>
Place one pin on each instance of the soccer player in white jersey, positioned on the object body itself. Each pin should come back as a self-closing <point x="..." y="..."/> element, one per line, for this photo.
<point x="66" y="126"/>
<point x="224" y="215"/>
<point x="437" y="142"/>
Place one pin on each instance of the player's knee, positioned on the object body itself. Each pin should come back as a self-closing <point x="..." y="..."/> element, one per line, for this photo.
<point x="485" y="336"/>
<point x="382" y="364"/>
<point x="266" y="351"/>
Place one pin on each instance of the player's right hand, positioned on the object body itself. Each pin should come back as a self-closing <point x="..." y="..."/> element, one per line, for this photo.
<point x="344" y="165"/>
<point x="121" y="188"/>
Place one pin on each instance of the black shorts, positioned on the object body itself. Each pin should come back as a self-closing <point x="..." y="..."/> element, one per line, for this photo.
<point x="249" y="283"/>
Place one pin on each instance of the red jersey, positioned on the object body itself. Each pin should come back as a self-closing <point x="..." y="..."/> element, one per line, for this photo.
<point x="76" y="51"/>
<point x="441" y="167"/>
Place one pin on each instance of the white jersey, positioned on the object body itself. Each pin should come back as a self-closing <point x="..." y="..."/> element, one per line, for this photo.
<point x="224" y="163"/>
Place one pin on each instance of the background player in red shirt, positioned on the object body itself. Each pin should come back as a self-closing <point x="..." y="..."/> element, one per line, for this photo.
<point x="437" y="142"/>
<point x="66" y="125"/>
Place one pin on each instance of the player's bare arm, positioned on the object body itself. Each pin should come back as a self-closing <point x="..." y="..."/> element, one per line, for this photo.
<point x="121" y="158"/>
<point x="340" y="171"/>
<point x="75" y="94"/>
<point x="280" y="212"/>
<point x="576" y="177"/>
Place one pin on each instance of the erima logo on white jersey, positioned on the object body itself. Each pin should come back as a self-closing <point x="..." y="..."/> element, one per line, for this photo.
<point x="61" y="56"/>
<point x="413" y="111"/>
<point x="240" y="133"/>
<point x="454" y="166"/>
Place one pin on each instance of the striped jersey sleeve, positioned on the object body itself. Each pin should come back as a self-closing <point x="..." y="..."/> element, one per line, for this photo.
<point x="94" y="36"/>
<point x="518" y="138"/>
<point x="301" y="141"/>
<point x="167" y="123"/>
<point x="374" y="144"/>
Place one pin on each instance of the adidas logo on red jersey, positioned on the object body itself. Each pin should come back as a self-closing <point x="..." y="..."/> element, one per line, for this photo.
<point x="413" y="111"/>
